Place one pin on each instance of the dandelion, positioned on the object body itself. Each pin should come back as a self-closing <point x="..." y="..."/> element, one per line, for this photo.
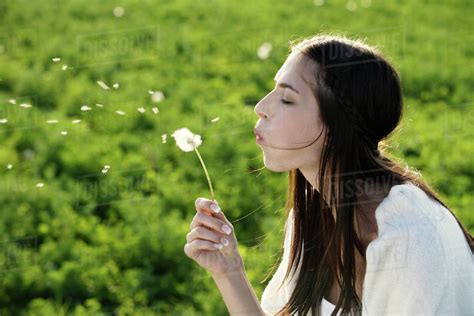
<point x="155" y="110"/>
<point x="12" y="101"/>
<point x="85" y="108"/>
<point x="141" y="109"/>
<point x="215" y="119"/>
<point x="40" y="185"/>
<point x="187" y="141"/>
<point x="76" y="121"/>
<point x="25" y="105"/>
<point x="119" y="112"/>
<point x="351" y="5"/>
<point x="103" y="85"/>
<point x="9" y="166"/>
<point x="64" y="67"/>
<point x="157" y="96"/>
<point x="163" y="138"/>
<point x="105" y="169"/>
<point x="3" y="121"/>
<point x="56" y="59"/>
<point x="51" y="121"/>
<point x="119" y="12"/>
<point x="115" y="85"/>
<point x="63" y="132"/>
<point x="99" y="105"/>
<point x="264" y="50"/>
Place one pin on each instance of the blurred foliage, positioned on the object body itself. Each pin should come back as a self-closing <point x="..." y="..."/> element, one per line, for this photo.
<point x="93" y="243"/>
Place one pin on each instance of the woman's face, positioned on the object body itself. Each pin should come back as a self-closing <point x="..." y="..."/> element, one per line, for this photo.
<point x="291" y="125"/>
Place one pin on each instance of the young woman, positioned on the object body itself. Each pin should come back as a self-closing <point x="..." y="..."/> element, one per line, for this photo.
<point x="363" y="235"/>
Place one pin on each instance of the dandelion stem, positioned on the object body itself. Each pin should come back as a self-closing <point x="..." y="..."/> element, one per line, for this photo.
<point x="207" y="174"/>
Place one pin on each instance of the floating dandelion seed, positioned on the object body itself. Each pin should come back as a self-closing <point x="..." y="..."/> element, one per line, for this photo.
<point x="64" y="67"/>
<point x="12" y="101"/>
<point x="85" y="108"/>
<point x="119" y="12"/>
<point x="51" y="121"/>
<point x="40" y="185"/>
<point x="215" y="119"/>
<point x="163" y="138"/>
<point x="105" y="169"/>
<point x="116" y="85"/>
<point x="3" y="121"/>
<point x="141" y="110"/>
<point x="99" y="105"/>
<point x="9" y="166"/>
<point x="155" y="110"/>
<point x="264" y="50"/>
<point x="56" y="59"/>
<point x="103" y="85"/>
<point x="119" y="112"/>
<point x="25" y="105"/>
<point x="157" y="96"/>
<point x="76" y="121"/>
<point x="187" y="141"/>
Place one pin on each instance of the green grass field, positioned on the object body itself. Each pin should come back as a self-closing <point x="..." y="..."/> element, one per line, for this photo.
<point x="88" y="242"/>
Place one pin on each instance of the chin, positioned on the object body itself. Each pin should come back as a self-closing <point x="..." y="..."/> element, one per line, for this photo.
<point x="275" y="167"/>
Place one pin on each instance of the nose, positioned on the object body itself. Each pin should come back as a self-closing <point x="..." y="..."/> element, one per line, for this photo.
<point x="258" y="110"/>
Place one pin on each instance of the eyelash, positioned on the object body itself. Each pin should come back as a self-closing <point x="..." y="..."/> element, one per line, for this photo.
<point x="285" y="101"/>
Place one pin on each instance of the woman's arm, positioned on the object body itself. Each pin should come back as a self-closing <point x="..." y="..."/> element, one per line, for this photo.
<point x="238" y="294"/>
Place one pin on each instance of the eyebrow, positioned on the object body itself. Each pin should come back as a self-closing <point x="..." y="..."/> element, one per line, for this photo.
<point x="286" y="85"/>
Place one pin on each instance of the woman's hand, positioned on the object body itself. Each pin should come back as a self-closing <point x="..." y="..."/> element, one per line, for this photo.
<point x="206" y="230"/>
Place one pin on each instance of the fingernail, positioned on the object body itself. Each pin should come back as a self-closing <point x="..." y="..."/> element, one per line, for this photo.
<point x="215" y="207"/>
<point x="226" y="229"/>
<point x="218" y="246"/>
<point x="224" y="241"/>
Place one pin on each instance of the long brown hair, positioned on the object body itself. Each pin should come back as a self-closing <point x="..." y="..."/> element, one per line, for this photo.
<point x="360" y="99"/>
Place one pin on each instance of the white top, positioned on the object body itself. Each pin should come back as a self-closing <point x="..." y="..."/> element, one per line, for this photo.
<point x="419" y="264"/>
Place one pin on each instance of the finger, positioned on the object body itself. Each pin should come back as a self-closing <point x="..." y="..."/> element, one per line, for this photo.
<point x="206" y="220"/>
<point x="206" y="234"/>
<point x="192" y="248"/>
<point x="207" y="205"/>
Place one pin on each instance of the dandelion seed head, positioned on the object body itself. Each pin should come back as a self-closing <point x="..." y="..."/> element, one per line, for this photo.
<point x="64" y="67"/>
<point x="25" y="105"/>
<point x="105" y="169"/>
<point x="63" y="132"/>
<point x="186" y="140"/>
<point x="155" y="110"/>
<point x="9" y="166"/>
<point x="119" y="12"/>
<point x="56" y="59"/>
<point x="40" y="185"/>
<point x="215" y="119"/>
<point x="120" y="112"/>
<point x="76" y="121"/>
<point x="85" y="108"/>
<point x="12" y="101"/>
<point x="51" y="121"/>
<point x="163" y="138"/>
<point x="116" y="85"/>
<point x="157" y="96"/>
<point x="141" y="109"/>
<point x="99" y="105"/>
<point x="3" y="121"/>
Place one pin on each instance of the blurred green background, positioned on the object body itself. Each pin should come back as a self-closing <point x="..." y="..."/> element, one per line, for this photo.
<point x="78" y="239"/>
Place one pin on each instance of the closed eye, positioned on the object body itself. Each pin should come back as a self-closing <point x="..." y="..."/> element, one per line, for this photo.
<point x="286" y="101"/>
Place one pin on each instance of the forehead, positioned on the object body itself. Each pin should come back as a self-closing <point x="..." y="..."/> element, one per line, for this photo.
<point x="298" y="70"/>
